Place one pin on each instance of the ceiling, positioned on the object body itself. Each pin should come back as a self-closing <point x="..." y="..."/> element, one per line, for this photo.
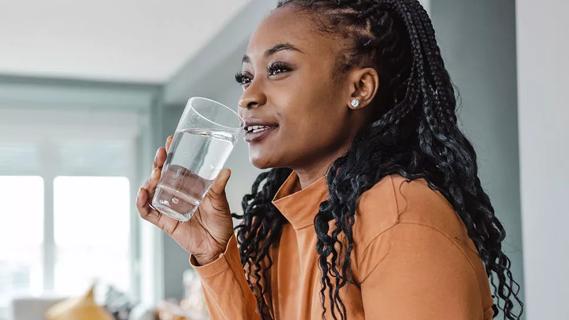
<point x="141" y="41"/>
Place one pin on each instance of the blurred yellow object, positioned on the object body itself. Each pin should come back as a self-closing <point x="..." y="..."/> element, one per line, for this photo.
<point x="81" y="308"/>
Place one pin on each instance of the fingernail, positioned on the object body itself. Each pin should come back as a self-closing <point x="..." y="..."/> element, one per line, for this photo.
<point x="155" y="172"/>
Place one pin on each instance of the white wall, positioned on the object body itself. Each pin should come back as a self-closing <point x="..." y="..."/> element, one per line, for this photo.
<point x="543" y="65"/>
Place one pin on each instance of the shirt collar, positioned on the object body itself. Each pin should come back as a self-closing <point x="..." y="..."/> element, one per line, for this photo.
<point x="300" y="207"/>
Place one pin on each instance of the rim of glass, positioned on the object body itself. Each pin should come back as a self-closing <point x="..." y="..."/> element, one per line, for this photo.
<point x="242" y="122"/>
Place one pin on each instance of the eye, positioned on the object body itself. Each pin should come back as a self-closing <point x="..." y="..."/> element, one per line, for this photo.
<point x="243" y="78"/>
<point x="278" y="67"/>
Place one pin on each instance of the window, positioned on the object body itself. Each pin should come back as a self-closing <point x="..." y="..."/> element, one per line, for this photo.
<point x="91" y="229"/>
<point x="67" y="215"/>
<point x="21" y="235"/>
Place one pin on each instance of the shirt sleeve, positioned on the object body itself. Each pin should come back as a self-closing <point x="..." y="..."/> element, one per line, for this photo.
<point x="227" y="294"/>
<point x="415" y="272"/>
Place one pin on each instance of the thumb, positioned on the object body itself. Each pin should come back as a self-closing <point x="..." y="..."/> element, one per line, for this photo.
<point x="218" y="186"/>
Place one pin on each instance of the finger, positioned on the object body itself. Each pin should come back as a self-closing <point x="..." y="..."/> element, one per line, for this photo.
<point x="218" y="186"/>
<point x="162" y="153"/>
<point x="168" y="143"/>
<point x="151" y="215"/>
<point x="152" y="182"/>
<point x="144" y="209"/>
<point x="159" y="158"/>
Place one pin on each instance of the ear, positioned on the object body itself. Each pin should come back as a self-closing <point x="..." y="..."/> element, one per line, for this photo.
<point x="364" y="83"/>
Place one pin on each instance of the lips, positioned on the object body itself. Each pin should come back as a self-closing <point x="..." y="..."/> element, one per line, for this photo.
<point x="257" y="130"/>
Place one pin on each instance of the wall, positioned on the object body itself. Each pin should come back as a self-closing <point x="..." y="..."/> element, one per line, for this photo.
<point x="477" y="40"/>
<point x="543" y="117"/>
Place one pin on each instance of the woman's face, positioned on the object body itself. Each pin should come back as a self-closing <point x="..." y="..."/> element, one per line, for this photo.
<point x="289" y="89"/>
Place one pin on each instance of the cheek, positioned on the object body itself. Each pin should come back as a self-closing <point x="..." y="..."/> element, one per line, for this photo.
<point x="311" y="123"/>
<point x="296" y="139"/>
<point x="315" y="129"/>
<point x="311" y="114"/>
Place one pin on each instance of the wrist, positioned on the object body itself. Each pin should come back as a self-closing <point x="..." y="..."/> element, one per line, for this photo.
<point x="202" y="260"/>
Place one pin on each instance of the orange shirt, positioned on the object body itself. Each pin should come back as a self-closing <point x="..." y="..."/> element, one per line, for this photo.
<point x="412" y="259"/>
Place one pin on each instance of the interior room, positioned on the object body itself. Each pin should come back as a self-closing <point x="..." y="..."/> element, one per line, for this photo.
<point x="89" y="90"/>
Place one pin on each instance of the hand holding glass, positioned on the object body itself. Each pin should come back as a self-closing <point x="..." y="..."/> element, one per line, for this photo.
<point x="204" y="139"/>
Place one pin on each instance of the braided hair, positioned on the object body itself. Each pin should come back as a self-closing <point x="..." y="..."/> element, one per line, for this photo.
<point x="414" y="134"/>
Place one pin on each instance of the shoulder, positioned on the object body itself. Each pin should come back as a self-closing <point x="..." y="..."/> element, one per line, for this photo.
<point x="405" y="223"/>
<point x="396" y="200"/>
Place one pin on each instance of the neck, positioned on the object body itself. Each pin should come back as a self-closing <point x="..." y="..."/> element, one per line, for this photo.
<point x="306" y="176"/>
<point x="316" y="169"/>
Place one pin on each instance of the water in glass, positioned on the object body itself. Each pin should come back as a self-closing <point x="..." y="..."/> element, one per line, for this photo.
<point x="189" y="170"/>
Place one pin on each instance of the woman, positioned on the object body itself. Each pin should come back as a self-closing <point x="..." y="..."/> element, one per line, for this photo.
<point x="372" y="207"/>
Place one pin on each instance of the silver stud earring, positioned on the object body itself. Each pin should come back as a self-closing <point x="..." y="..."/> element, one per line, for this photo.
<point x="355" y="103"/>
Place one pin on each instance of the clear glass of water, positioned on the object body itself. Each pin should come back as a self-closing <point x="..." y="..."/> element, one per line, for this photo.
<point x="204" y="138"/>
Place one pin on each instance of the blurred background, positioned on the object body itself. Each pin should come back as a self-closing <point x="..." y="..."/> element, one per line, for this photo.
<point x="90" y="89"/>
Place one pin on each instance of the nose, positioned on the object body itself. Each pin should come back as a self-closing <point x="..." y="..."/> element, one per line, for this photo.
<point x="252" y="97"/>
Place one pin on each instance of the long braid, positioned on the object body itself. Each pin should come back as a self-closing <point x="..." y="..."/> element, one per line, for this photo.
<point x="415" y="134"/>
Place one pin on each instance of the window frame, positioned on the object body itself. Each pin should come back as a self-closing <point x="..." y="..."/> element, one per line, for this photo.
<point x="130" y="131"/>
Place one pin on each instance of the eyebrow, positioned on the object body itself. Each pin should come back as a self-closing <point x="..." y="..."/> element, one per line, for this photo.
<point x="276" y="48"/>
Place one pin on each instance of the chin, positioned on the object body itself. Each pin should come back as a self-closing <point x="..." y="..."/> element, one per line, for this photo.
<point x="260" y="163"/>
<point x="262" y="160"/>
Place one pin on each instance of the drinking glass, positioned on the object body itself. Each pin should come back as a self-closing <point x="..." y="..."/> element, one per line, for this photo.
<point x="204" y="139"/>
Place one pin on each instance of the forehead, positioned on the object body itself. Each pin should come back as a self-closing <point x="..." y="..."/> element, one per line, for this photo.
<point x="292" y="26"/>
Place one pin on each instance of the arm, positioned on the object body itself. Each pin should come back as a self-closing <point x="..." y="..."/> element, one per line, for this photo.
<point x="225" y="288"/>
<point x="423" y="275"/>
